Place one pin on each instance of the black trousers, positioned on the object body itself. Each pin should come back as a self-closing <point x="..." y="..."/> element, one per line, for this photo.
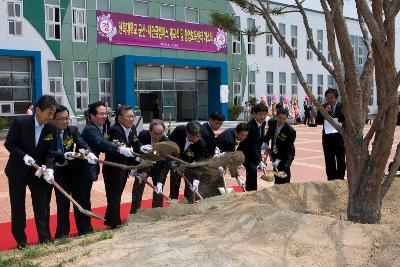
<point x="114" y="185"/>
<point x="137" y="194"/>
<point x="41" y="195"/>
<point x="281" y="167"/>
<point x="251" y="176"/>
<point x="66" y="179"/>
<point x="335" y="159"/>
<point x="82" y="196"/>
<point x="175" y="184"/>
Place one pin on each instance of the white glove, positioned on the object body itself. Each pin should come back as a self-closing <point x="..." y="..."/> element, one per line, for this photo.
<point x="137" y="159"/>
<point x="69" y="155"/>
<point x="91" y="158"/>
<point x="146" y="149"/>
<point x="127" y="152"/>
<point x="276" y="163"/>
<point x="133" y="172"/>
<point x="48" y="175"/>
<point x="142" y="177"/>
<point x="159" y="188"/>
<point x="262" y="166"/>
<point x="217" y="151"/>
<point x="195" y="185"/>
<point x="240" y="181"/>
<point x="28" y="160"/>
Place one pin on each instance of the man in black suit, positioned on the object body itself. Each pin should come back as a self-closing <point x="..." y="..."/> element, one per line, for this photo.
<point x="207" y="131"/>
<point x="158" y="172"/>
<point x="30" y="140"/>
<point x="332" y="143"/>
<point x="193" y="148"/>
<point x="93" y="135"/>
<point x="67" y="139"/>
<point x="251" y="146"/>
<point x="282" y="137"/>
<point x="230" y="139"/>
<point x="115" y="178"/>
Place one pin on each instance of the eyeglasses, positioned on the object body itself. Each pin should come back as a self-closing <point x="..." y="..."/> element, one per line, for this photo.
<point x="62" y="119"/>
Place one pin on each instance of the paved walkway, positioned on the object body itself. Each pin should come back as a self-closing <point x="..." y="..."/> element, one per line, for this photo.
<point x="307" y="166"/>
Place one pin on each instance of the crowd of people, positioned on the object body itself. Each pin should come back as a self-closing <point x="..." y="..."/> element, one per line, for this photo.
<point x="46" y="139"/>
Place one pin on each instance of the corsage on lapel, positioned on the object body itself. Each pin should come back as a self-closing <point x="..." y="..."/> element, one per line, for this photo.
<point x="282" y="137"/>
<point x="106" y="136"/>
<point x="189" y="153"/>
<point x="68" y="142"/>
<point x="48" y="137"/>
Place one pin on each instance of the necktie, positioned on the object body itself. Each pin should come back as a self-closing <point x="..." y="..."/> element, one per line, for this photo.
<point x="60" y="147"/>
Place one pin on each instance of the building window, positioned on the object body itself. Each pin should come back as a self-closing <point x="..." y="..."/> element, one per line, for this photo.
<point x="282" y="85"/>
<point x="103" y="5"/>
<point x="53" y="20"/>
<point x="251" y="39"/>
<point x="81" y="85"/>
<point x="167" y="12"/>
<point x="79" y="20"/>
<point x="320" y="87"/>
<point x="191" y="15"/>
<point x="270" y="85"/>
<point x="330" y="81"/>
<point x="371" y="97"/>
<point x="269" y="44"/>
<point x="294" y="84"/>
<point x="15" y="85"/>
<point x="237" y="88"/>
<point x="141" y="8"/>
<point x="310" y="82"/>
<point x="282" y="30"/>
<point x="14" y="19"/>
<point x="55" y="74"/>
<point x="293" y="41"/>
<point x="105" y="88"/>
<point x="320" y="40"/>
<point x="360" y="51"/>
<point x="237" y="39"/>
<point x="309" y="50"/>
<point x="252" y="83"/>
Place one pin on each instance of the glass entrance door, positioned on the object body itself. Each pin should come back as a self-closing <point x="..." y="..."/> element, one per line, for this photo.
<point x="186" y="105"/>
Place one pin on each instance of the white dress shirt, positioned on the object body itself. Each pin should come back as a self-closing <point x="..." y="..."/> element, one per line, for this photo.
<point x="38" y="130"/>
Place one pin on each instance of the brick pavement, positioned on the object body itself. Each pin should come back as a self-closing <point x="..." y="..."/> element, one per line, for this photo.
<point x="307" y="166"/>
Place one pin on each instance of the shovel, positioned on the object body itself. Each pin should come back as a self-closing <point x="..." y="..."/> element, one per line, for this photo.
<point x="223" y="190"/>
<point x="76" y="204"/>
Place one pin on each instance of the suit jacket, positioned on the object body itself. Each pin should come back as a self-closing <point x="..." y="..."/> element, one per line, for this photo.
<point x="20" y="141"/>
<point x="195" y="152"/>
<point x="209" y="138"/>
<point x="92" y="135"/>
<point x="116" y="132"/>
<point x="160" y="168"/>
<point x="226" y="140"/>
<point x="283" y="147"/>
<point x="338" y="114"/>
<point x="251" y="146"/>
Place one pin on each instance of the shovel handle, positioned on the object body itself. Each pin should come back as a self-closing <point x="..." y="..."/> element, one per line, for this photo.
<point x="76" y="204"/>
<point x="155" y="190"/>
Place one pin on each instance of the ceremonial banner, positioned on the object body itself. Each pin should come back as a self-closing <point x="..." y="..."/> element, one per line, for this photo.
<point x="123" y="29"/>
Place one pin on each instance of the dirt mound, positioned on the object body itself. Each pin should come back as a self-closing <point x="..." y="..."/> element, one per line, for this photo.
<point x="287" y="225"/>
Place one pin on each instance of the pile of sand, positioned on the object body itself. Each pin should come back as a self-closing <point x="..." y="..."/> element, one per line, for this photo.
<point x="287" y="225"/>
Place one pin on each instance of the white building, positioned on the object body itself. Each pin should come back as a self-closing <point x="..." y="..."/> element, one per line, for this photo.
<point x="269" y="71"/>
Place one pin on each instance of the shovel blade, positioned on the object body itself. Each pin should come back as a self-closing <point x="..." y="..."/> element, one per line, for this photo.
<point x="223" y="192"/>
<point x="93" y="215"/>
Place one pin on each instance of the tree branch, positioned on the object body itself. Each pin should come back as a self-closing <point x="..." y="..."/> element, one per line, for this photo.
<point x="392" y="173"/>
<point x="286" y="48"/>
<point x="372" y="24"/>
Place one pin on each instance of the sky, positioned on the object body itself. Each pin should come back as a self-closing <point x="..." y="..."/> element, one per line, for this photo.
<point x="349" y="10"/>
